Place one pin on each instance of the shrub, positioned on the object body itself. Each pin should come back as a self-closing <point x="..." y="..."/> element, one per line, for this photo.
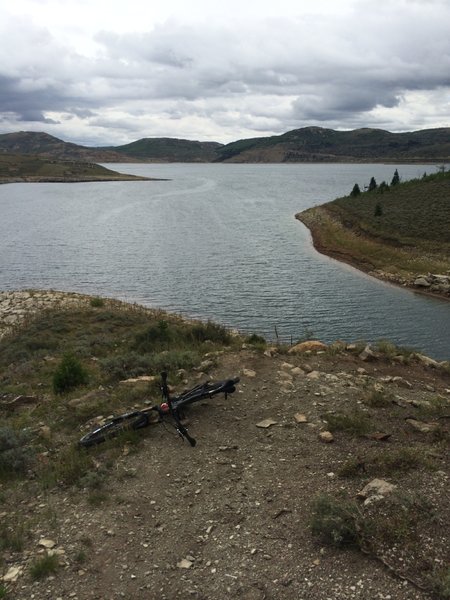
<point x="212" y="332"/>
<point x="335" y="521"/>
<point x="15" y="455"/>
<point x="441" y="583"/>
<point x="70" y="374"/>
<point x="255" y="340"/>
<point x="356" y="423"/>
<point x="97" y="302"/>
<point x="43" y="567"/>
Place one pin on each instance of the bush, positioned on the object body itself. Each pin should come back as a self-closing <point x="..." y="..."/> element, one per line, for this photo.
<point x="356" y="423"/>
<point x="44" y="566"/>
<point x="14" y="453"/>
<point x="97" y="302"/>
<point x="70" y="374"/>
<point x="335" y="521"/>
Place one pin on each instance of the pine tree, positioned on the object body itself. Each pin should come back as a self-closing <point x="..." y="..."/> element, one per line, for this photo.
<point x="355" y="191"/>
<point x="395" y="178"/>
<point x="372" y="185"/>
<point x="378" y="210"/>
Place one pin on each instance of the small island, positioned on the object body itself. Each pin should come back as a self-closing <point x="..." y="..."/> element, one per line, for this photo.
<point x="36" y="169"/>
<point x="397" y="232"/>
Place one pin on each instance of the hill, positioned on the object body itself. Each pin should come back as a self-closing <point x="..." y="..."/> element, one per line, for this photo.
<point x="169" y="150"/>
<point x="398" y="232"/>
<point x="316" y="144"/>
<point x="309" y="144"/>
<point x="39" y="143"/>
<point x="279" y="467"/>
<point x="17" y="168"/>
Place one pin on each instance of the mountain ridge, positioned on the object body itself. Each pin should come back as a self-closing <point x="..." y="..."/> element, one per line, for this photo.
<point x="307" y="144"/>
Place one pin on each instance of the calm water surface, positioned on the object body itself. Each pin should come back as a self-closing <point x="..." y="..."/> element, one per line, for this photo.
<point x="217" y="241"/>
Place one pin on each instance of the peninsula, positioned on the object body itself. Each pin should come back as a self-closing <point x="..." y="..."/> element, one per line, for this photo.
<point x="16" y="168"/>
<point x="398" y="232"/>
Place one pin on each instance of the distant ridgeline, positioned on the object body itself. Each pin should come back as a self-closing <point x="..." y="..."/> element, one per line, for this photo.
<point x="309" y="144"/>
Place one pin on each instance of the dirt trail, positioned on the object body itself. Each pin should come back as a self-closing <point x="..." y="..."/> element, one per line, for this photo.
<point x="231" y="517"/>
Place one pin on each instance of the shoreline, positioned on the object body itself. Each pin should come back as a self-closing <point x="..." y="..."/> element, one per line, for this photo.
<point x="345" y="257"/>
<point x="92" y="179"/>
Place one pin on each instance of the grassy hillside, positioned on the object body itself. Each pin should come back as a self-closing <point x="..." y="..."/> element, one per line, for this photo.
<point x="309" y="144"/>
<point x="36" y="168"/>
<point x="170" y="150"/>
<point x="42" y="144"/>
<point x="403" y="231"/>
<point x="316" y="144"/>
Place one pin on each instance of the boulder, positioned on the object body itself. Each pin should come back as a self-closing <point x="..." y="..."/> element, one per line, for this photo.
<point x="308" y="346"/>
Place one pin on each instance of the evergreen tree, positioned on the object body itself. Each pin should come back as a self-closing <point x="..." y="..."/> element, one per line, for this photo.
<point x="396" y="178"/>
<point x="383" y="187"/>
<point x="355" y="191"/>
<point x="378" y="210"/>
<point x="372" y="185"/>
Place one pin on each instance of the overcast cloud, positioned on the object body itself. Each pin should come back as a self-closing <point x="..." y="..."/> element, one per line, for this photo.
<point x="101" y="72"/>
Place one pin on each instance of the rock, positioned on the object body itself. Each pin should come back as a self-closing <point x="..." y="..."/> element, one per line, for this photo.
<point x="287" y="366"/>
<point x="377" y="487"/>
<point x="45" y="543"/>
<point x="297" y="371"/>
<point x="205" y="365"/>
<point x="300" y="418"/>
<point x="266" y="423"/>
<point x="249" y="373"/>
<point x="378" y="436"/>
<point x="184" y="564"/>
<point x="326" y="437"/>
<point x="142" y="379"/>
<point x="367" y="354"/>
<point x="403" y="382"/>
<point x="426" y="360"/>
<point x="271" y="351"/>
<point x="308" y="346"/>
<point x="422" y="282"/>
<point x="421" y="426"/>
<point x="313" y="375"/>
<point x="45" y="432"/>
<point x="12" y="574"/>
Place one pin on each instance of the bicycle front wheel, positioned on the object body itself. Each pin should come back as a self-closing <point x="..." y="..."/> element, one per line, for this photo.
<point x="112" y="429"/>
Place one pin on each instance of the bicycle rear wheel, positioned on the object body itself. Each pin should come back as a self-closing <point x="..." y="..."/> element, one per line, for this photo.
<point x="127" y="422"/>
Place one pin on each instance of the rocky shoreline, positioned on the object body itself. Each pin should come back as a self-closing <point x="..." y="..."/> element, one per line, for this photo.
<point x="76" y="179"/>
<point x="430" y="284"/>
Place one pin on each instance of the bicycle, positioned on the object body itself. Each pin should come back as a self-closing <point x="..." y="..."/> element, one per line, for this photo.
<point x="169" y="407"/>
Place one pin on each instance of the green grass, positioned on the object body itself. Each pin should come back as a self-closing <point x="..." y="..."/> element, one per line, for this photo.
<point x="411" y="237"/>
<point x="387" y="462"/>
<point x="45" y="566"/>
<point x="355" y="423"/>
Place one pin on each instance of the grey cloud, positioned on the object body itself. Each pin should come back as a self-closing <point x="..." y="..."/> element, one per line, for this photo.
<point x="321" y="69"/>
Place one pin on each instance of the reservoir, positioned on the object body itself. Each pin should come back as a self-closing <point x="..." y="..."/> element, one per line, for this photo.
<point x="215" y="241"/>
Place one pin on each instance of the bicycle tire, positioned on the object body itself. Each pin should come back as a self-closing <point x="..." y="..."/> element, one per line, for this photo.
<point x="135" y="420"/>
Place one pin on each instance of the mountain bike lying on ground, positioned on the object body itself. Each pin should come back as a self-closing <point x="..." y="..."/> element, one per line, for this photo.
<point x="169" y="408"/>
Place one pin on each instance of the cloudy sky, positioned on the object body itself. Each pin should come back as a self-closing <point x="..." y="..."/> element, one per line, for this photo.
<point x="100" y="72"/>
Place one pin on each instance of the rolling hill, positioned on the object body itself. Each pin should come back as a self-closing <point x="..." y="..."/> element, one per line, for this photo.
<point x="309" y="144"/>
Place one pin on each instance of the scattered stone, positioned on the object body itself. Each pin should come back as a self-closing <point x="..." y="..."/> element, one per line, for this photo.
<point x="141" y="379"/>
<point x="421" y="426"/>
<point x="300" y="418"/>
<point x="379" y="436"/>
<point x="298" y="371"/>
<point x="326" y="437"/>
<point x="308" y="346"/>
<point x="367" y="354"/>
<point x="46" y="543"/>
<point x="376" y="489"/>
<point x="12" y="574"/>
<point x="272" y="351"/>
<point x="266" y="423"/>
<point x="422" y="282"/>
<point x="249" y="373"/>
<point x="426" y="360"/>
<point x="287" y="366"/>
<point x="313" y="375"/>
<point x="184" y="564"/>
